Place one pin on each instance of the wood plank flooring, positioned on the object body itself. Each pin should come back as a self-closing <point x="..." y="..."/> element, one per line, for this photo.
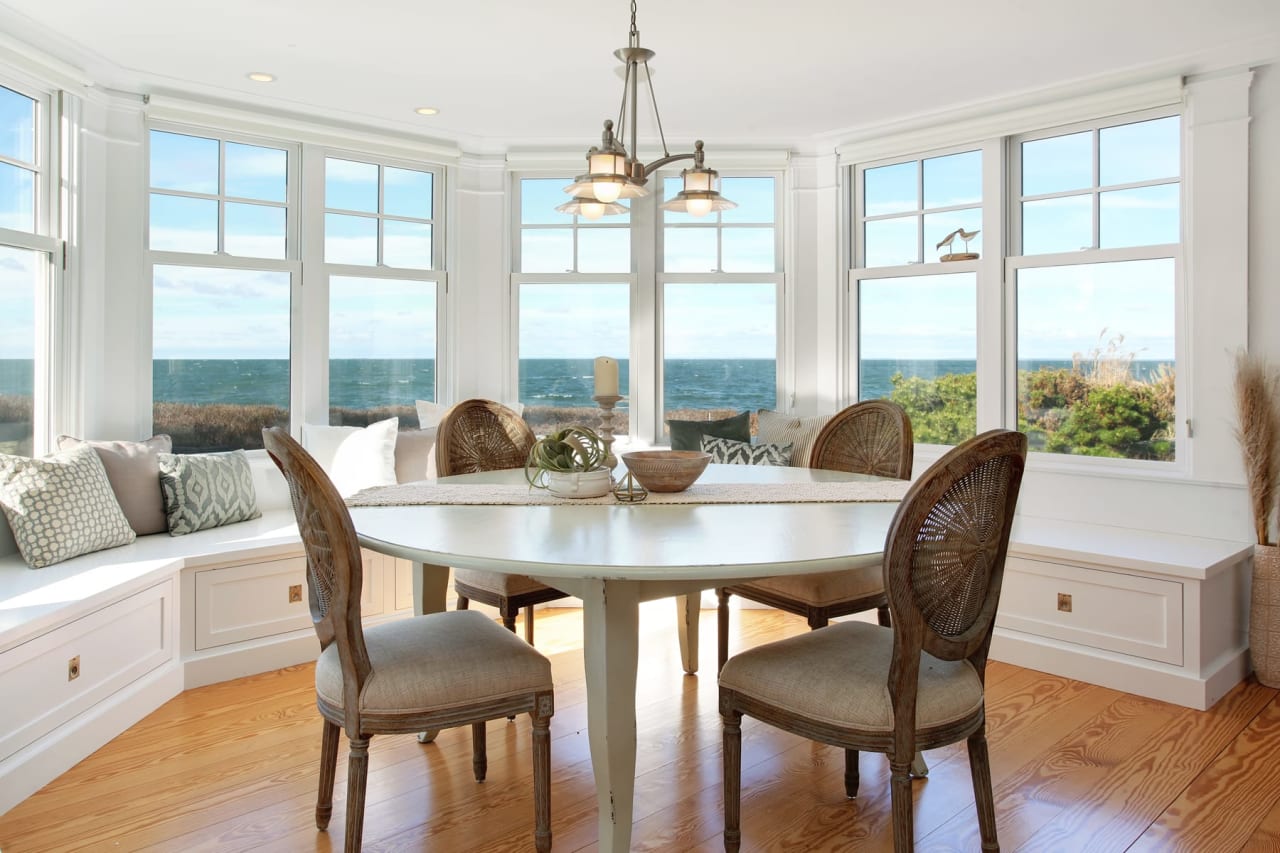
<point x="233" y="767"/>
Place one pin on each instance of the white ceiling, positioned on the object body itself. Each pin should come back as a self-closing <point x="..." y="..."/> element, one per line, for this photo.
<point x="541" y="72"/>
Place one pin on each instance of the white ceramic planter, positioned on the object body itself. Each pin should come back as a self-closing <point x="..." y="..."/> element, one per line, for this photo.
<point x="578" y="484"/>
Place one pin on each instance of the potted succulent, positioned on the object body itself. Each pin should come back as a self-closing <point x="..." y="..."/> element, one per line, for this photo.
<point x="569" y="463"/>
<point x="1257" y="393"/>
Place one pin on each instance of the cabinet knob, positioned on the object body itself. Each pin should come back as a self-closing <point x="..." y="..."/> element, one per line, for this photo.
<point x="295" y="593"/>
<point x="1064" y="602"/>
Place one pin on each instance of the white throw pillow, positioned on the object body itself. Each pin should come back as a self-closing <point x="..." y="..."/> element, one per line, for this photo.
<point x="800" y="433"/>
<point x="322" y="441"/>
<point x="366" y="458"/>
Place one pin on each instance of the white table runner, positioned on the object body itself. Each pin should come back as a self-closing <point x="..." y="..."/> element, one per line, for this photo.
<point x="416" y="494"/>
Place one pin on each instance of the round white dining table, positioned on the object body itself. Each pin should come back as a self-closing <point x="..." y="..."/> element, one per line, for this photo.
<point x="615" y="556"/>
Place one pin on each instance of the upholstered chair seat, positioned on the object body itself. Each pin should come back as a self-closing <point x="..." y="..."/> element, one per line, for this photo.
<point x="500" y="584"/>
<point x="820" y="589"/>
<point x="452" y="659"/>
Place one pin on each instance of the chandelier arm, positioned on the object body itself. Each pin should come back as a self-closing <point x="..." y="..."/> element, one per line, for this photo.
<point x="662" y="161"/>
<point x="653" y="98"/>
<point x="622" y="106"/>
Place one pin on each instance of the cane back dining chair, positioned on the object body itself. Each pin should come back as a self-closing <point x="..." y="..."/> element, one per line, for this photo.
<point x="871" y="437"/>
<point x="425" y="672"/>
<point x="481" y="435"/>
<point x="943" y="566"/>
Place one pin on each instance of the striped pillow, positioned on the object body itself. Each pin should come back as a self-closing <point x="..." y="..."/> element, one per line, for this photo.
<point x="800" y="433"/>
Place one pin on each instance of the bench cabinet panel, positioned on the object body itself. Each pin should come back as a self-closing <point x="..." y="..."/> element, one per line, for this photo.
<point x="1118" y="612"/>
<point x="110" y="648"/>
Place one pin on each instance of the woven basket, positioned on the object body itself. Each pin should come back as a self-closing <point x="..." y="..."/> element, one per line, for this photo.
<point x="1264" y="615"/>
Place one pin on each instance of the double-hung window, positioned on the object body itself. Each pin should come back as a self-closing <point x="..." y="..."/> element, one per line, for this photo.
<point x="27" y="250"/>
<point x="914" y="289"/>
<point x="223" y="246"/>
<point x="382" y="250"/>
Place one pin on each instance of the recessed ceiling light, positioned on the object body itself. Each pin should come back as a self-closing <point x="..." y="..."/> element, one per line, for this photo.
<point x="426" y="111"/>
<point x="261" y="77"/>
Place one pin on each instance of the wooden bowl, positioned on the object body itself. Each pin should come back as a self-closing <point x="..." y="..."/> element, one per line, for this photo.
<point x="666" y="470"/>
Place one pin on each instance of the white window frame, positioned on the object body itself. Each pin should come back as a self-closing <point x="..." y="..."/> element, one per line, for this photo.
<point x="54" y="353"/>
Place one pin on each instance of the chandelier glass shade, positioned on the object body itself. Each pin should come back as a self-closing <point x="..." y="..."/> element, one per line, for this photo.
<point x="613" y="170"/>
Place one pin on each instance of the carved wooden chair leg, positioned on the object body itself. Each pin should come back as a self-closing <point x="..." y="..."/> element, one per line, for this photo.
<point x="357" y="777"/>
<point x="882" y="616"/>
<point x="542" y="774"/>
<point x="851" y="773"/>
<point x="328" y="767"/>
<point x="722" y="628"/>
<point x="817" y="619"/>
<point x="733" y="781"/>
<point x="479" y="752"/>
<point x="980" y="769"/>
<point x="528" y="624"/>
<point x="900" y="794"/>
<point x="463" y="602"/>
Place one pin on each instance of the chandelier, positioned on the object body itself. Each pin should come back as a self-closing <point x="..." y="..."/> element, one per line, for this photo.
<point x="613" y="170"/>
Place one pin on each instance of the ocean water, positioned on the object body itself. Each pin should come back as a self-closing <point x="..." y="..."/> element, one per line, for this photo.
<point x="371" y="383"/>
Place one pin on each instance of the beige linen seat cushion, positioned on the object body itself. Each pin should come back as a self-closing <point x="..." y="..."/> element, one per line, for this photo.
<point x="839" y="675"/>
<point x="497" y="582"/>
<point x="438" y="662"/>
<point x="822" y="588"/>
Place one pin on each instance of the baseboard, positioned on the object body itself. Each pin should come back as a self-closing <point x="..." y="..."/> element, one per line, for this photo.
<point x="1128" y="674"/>
<point x="36" y="765"/>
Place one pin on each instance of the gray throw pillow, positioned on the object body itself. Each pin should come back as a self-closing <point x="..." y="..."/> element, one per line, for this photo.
<point x="687" y="435"/>
<point x="203" y="490"/>
<point x="61" y="506"/>
<point x="726" y="451"/>
<point x="133" y="468"/>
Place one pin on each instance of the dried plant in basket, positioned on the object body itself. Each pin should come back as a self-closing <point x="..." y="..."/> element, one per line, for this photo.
<point x="1257" y="394"/>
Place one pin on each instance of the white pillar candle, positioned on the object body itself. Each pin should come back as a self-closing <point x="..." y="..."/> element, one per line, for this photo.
<point x="606" y="377"/>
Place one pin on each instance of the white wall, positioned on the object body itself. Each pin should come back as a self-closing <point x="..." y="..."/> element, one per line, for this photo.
<point x="1264" y="212"/>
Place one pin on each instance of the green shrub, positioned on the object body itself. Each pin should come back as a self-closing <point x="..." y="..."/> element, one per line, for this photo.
<point x="942" y="410"/>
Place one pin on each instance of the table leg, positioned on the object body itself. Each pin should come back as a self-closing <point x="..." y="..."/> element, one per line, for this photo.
<point x="611" y="635"/>
<point x="430" y="590"/>
<point x="688" y="611"/>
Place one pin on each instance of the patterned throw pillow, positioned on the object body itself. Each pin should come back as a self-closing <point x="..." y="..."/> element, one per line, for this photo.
<point x="61" y="506"/>
<point x="686" y="435"/>
<point x="726" y="451"/>
<point x="203" y="490"/>
<point x="800" y="433"/>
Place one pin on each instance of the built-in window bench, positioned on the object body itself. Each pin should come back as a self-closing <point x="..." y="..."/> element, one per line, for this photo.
<point x="92" y="645"/>
<point x="1156" y="614"/>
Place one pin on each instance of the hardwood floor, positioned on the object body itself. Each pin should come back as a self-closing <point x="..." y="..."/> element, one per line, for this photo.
<point x="233" y="766"/>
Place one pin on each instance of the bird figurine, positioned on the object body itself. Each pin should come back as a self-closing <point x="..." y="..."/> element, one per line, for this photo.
<point x="966" y="236"/>
<point x="950" y="238"/>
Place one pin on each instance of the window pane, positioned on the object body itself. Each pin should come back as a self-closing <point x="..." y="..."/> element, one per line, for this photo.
<point x="546" y="250"/>
<point x="557" y="370"/>
<point x="349" y="185"/>
<point x="1096" y="359"/>
<point x="1057" y="225"/>
<point x="604" y="250"/>
<point x="21" y="274"/>
<point x="712" y="370"/>
<point x="890" y="242"/>
<point x="382" y="349"/>
<point x="938" y="225"/>
<point x="689" y="249"/>
<point x="1142" y="151"/>
<point x="954" y="179"/>
<point x="254" y="230"/>
<point x="754" y="197"/>
<point x="747" y="249"/>
<point x="350" y="239"/>
<point x="184" y="224"/>
<point x="220" y="369"/>
<point x="17" y="198"/>
<point x="406" y="244"/>
<point x="184" y="163"/>
<point x="1140" y="217"/>
<point x="17" y="126"/>
<point x="256" y="172"/>
<point x="891" y="189"/>
<point x="539" y="198"/>
<point x="918" y="345"/>
<point x="406" y="192"/>
<point x="1057" y="164"/>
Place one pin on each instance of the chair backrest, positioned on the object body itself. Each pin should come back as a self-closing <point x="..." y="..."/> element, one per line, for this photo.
<point x="871" y="437"/>
<point x="945" y="551"/>
<point x="481" y="435"/>
<point x="334" y="567"/>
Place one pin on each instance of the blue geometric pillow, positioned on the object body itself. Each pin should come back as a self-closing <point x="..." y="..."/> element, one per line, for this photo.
<point x="203" y="490"/>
